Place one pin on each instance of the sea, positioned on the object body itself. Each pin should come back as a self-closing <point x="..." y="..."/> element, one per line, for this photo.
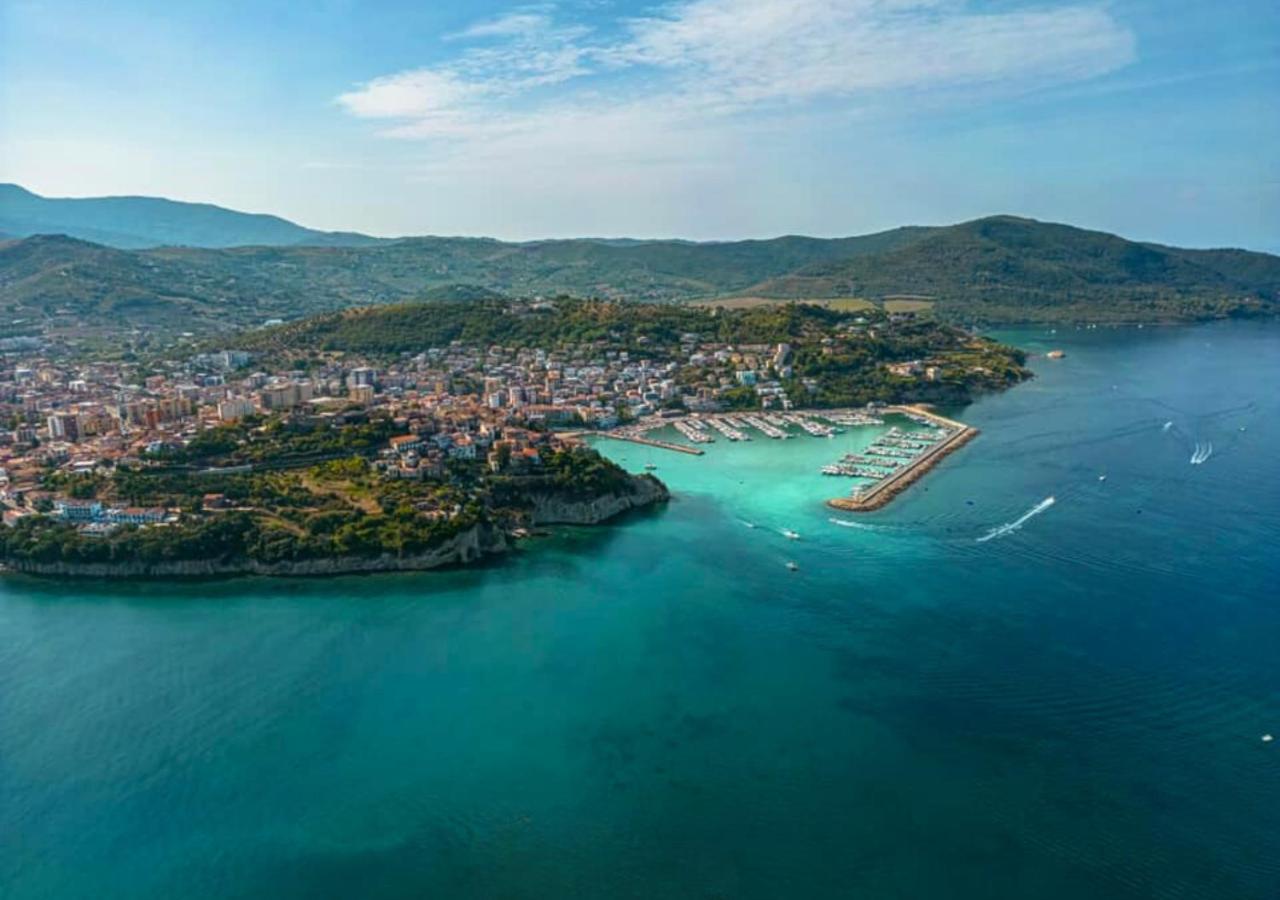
<point x="971" y="693"/>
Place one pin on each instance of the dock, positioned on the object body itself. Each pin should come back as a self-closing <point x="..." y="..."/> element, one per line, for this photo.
<point x="649" y="442"/>
<point x="880" y="493"/>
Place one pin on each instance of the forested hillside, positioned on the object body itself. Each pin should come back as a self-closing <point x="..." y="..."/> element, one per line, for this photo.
<point x="994" y="270"/>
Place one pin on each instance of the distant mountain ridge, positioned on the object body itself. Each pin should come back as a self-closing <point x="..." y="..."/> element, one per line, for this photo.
<point x="141" y="222"/>
<point x="1007" y="268"/>
<point x="999" y="269"/>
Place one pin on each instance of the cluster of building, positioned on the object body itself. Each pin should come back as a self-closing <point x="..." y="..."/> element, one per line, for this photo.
<point x="89" y="515"/>
<point x="453" y="402"/>
<point x="916" y="368"/>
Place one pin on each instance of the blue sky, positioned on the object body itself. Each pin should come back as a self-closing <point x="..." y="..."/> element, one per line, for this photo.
<point x="1158" y="119"/>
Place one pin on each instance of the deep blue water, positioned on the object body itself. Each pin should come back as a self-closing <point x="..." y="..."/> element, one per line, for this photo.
<point x="661" y="709"/>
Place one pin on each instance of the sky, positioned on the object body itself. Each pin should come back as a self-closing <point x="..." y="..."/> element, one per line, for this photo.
<point x="702" y="119"/>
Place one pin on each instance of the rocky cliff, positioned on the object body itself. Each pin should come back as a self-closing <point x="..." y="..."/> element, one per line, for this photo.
<point x="466" y="547"/>
<point x="560" y="509"/>
<point x="545" y="507"/>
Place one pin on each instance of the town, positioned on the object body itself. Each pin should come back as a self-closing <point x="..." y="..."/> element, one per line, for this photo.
<point x="505" y="405"/>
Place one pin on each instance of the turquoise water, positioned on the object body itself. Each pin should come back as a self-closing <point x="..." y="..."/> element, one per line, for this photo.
<point x="661" y="709"/>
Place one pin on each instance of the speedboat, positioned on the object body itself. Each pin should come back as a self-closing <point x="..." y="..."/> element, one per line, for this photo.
<point x="792" y="566"/>
<point x="791" y="535"/>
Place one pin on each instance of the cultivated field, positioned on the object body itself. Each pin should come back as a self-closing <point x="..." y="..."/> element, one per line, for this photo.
<point x="844" y="304"/>
<point x="904" y="304"/>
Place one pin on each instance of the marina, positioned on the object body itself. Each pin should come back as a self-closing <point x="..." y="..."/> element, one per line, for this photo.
<point x="914" y="453"/>
<point x="693" y="430"/>
<point x="882" y="469"/>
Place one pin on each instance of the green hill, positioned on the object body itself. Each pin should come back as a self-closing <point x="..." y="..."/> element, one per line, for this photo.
<point x="1003" y="269"/>
<point x="245" y="285"/>
<point x="995" y="270"/>
<point x="837" y="358"/>
<point x="57" y="280"/>
<point x="63" y="282"/>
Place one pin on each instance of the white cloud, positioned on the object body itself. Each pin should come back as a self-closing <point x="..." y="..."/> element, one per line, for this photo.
<point x="707" y="57"/>
<point x="415" y="93"/>
<point x="749" y="51"/>
<point x="510" y="25"/>
<point x="699" y="86"/>
<point x="456" y="98"/>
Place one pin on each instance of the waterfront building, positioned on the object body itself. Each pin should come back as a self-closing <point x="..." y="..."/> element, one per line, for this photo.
<point x="136" y="515"/>
<point x="78" y="510"/>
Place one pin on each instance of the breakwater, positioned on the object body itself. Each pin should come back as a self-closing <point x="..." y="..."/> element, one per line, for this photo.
<point x="649" y="442"/>
<point x="893" y="484"/>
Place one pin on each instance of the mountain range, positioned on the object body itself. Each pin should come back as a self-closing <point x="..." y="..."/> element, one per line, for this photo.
<point x="999" y="269"/>
<point x="138" y="222"/>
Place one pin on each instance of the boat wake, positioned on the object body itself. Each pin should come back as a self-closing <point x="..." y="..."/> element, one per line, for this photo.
<point x="1201" y="454"/>
<point x="845" y="523"/>
<point x="1009" y="527"/>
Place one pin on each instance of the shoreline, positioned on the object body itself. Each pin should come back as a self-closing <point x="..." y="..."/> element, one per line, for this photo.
<point x="467" y="548"/>
<point x="476" y="544"/>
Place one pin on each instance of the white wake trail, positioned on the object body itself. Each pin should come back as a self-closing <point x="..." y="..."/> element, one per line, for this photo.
<point x="1018" y="522"/>
<point x="845" y="523"/>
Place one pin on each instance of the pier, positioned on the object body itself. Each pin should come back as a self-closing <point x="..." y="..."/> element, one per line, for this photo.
<point x="884" y="490"/>
<point x="650" y="442"/>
